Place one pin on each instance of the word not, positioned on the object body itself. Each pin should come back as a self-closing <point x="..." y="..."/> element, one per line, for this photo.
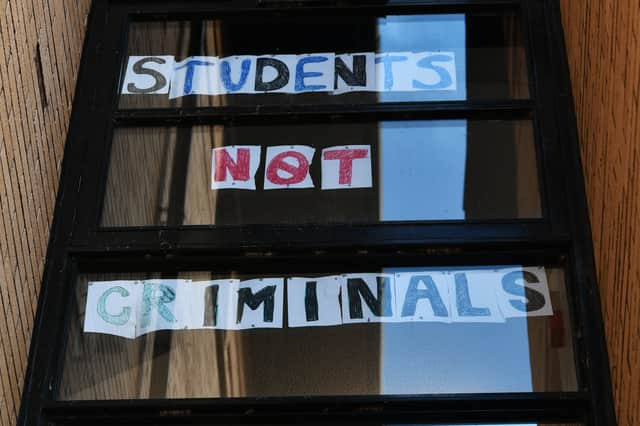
<point x="133" y="308"/>
<point x="287" y="167"/>
<point x="318" y="72"/>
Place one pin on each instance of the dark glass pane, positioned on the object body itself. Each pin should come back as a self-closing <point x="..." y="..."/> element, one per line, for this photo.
<point x="399" y="171"/>
<point x="192" y="423"/>
<point x="419" y="58"/>
<point x="405" y="330"/>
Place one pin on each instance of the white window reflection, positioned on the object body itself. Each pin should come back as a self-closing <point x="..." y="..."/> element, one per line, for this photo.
<point x="426" y="155"/>
<point x="433" y="358"/>
<point x="422" y="170"/>
<point x="417" y="33"/>
<point x="490" y="424"/>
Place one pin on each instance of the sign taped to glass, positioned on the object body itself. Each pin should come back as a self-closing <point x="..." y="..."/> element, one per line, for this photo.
<point x="293" y="74"/>
<point x="133" y="308"/>
<point x="287" y="167"/>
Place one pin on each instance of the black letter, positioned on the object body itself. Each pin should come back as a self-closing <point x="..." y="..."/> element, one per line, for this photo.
<point x="279" y="82"/>
<point x="211" y="301"/>
<point x="311" y="301"/>
<point x="357" y="77"/>
<point x="266" y="296"/>
<point x="535" y="299"/>
<point x="138" y="68"/>
<point x="380" y="306"/>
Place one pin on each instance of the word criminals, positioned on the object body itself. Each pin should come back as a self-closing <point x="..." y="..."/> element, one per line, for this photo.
<point x="132" y="308"/>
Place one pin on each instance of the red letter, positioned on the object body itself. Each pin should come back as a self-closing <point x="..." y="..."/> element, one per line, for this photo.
<point x="298" y="173"/>
<point x="346" y="157"/>
<point x="239" y="169"/>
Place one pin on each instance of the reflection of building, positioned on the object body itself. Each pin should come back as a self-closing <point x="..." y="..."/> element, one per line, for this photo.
<point x="162" y="192"/>
<point x="158" y="365"/>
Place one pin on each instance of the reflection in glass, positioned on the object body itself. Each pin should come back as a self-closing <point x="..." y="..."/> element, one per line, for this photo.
<point x="447" y="33"/>
<point x="450" y="424"/>
<point x="488" y="49"/>
<point x="442" y="424"/>
<point x="421" y="171"/>
<point x="513" y="355"/>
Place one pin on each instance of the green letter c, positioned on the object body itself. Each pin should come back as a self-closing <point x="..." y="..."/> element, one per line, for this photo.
<point x="123" y="317"/>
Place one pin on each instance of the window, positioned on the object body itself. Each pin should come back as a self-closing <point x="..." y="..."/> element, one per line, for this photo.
<point x="451" y="164"/>
<point x="316" y="212"/>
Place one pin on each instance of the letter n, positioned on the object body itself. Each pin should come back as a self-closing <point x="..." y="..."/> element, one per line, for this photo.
<point x="234" y="167"/>
<point x="379" y="305"/>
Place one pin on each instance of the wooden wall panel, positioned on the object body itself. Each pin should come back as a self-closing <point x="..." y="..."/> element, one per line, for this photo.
<point x="603" y="42"/>
<point x="41" y="42"/>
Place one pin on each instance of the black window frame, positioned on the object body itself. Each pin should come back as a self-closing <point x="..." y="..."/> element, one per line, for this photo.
<point x="78" y="243"/>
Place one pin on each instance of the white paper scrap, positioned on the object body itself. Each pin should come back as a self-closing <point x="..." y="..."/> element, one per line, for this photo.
<point x="235" y="167"/>
<point x="368" y="298"/>
<point x="287" y="167"/>
<point x="161" y="306"/>
<point x="111" y="308"/>
<point x="314" y="302"/>
<point x="345" y="167"/>
<point x="424" y="296"/>
<point x="474" y="296"/>
<point x="259" y="303"/>
<point x="148" y="75"/>
<point x="524" y="292"/>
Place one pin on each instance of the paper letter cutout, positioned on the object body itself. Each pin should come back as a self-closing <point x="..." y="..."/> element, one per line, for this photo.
<point x="259" y="303"/>
<point x="524" y="292"/>
<point x="391" y="70"/>
<point x="133" y="308"/>
<point x="237" y="74"/>
<point x="235" y="167"/>
<point x="314" y="73"/>
<point x="423" y="296"/>
<point x="274" y="74"/>
<point x="148" y="75"/>
<point x="287" y="167"/>
<point x="355" y="73"/>
<point x="474" y="297"/>
<point x="162" y="305"/>
<point x="433" y="71"/>
<point x="111" y="308"/>
<point x="196" y="75"/>
<point x="314" y="302"/>
<point x="212" y="304"/>
<point x="410" y="72"/>
<point x="345" y="167"/>
<point x="368" y="298"/>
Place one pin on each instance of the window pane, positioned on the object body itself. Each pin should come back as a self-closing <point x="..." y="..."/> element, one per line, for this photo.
<point x="323" y="173"/>
<point x="392" y="330"/>
<point x="397" y="58"/>
<point x="191" y="423"/>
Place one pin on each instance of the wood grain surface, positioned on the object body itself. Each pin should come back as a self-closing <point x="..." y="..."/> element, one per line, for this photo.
<point x="604" y="53"/>
<point x="41" y="44"/>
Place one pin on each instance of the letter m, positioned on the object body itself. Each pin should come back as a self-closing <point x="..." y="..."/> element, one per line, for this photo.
<point x="264" y="297"/>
